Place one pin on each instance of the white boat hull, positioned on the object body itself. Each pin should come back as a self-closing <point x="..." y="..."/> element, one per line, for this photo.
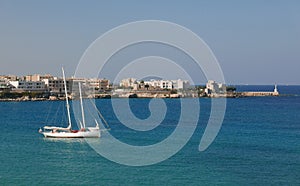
<point x="79" y="134"/>
<point x="61" y="132"/>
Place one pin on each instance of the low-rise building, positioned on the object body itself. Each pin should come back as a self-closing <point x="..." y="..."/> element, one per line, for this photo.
<point x="99" y="84"/>
<point x="9" y="77"/>
<point x="37" y="77"/>
<point x="181" y="84"/>
<point x="35" y="86"/>
<point x="169" y="84"/>
<point x="56" y="85"/>
<point x="166" y="84"/>
<point x="127" y="83"/>
<point x="4" y="85"/>
<point x="213" y="87"/>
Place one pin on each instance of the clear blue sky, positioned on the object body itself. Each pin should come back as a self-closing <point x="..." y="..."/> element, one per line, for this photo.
<point x="255" y="41"/>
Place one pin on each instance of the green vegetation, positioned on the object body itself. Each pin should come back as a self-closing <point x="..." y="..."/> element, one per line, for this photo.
<point x="200" y="89"/>
<point x="230" y="89"/>
<point x="173" y="91"/>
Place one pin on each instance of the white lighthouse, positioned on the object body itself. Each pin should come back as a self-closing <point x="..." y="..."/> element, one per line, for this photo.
<point x="276" y="93"/>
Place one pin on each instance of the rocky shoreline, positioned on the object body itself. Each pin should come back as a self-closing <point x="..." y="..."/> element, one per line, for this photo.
<point x="145" y="95"/>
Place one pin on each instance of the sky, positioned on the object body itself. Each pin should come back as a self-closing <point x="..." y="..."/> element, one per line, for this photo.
<point x="254" y="41"/>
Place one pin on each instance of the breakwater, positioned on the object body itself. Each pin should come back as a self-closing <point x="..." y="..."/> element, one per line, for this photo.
<point x="147" y="94"/>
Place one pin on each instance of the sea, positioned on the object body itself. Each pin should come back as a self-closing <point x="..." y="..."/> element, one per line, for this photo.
<point x="258" y="144"/>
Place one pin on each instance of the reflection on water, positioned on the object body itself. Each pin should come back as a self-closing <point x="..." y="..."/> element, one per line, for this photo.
<point x="65" y="140"/>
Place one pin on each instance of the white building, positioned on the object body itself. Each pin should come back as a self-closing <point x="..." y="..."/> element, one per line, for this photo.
<point x="153" y="83"/>
<point x="181" y="84"/>
<point x="127" y="83"/>
<point x="169" y="84"/>
<point x="28" y="85"/>
<point x="166" y="84"/>
<point x="163" y="84"/>
<point x="135" y="86"/>
<point x="213" y="87"/>
<point x="4" y="84"/>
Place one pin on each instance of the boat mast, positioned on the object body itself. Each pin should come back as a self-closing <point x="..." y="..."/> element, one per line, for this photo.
<point x="81" y="104"/>
<point x="67" y="100"/>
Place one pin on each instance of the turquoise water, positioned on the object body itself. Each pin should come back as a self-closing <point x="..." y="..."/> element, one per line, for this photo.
<point x="257" y="144"/>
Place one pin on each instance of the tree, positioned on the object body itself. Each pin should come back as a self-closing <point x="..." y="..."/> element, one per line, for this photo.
<point x="230" y="89"/>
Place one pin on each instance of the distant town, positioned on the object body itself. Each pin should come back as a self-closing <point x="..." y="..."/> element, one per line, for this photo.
<point x="47" y="87"/>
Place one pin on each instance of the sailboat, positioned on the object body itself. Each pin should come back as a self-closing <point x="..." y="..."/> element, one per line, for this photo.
<point x="68" y="132"/>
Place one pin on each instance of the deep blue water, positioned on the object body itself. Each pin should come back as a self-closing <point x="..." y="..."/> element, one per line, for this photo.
<point x="257" y="144"/>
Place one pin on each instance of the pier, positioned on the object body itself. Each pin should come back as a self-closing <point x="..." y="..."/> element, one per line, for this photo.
<point x="255" y="94"/>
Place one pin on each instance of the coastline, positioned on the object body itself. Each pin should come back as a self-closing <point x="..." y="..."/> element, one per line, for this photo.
<point x="142" y="95"/>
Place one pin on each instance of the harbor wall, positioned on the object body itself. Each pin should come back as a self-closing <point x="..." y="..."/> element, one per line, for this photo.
<point x="248" y="94"/>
